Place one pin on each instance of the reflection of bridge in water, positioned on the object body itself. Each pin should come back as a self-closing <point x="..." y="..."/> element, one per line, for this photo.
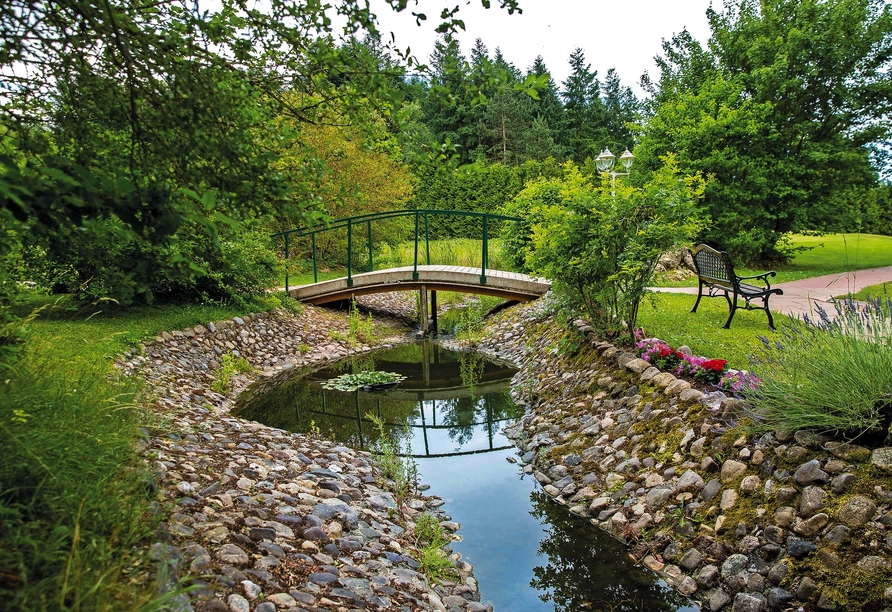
<point x="427" y="401"/>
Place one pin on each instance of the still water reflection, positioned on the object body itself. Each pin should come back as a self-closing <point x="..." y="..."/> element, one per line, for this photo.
<point x="528" y="554"/>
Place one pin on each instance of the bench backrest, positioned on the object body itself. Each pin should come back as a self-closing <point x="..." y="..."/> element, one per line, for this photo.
<point x="714" y="266"/>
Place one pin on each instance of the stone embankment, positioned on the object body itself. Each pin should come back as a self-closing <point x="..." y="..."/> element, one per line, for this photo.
<point x="261" y="519"/>
<point x="736" y="521"/>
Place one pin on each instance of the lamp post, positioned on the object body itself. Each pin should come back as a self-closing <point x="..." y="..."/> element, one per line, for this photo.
<point x="605" y="162"/>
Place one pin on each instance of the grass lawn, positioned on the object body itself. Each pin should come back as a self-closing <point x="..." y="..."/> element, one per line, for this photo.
<point x="882" y="290"/>
<point x="77" y="334"/>
<point x="670" y="319"/>
<point x="830" y="254"/>
<point x="75" y="508"/>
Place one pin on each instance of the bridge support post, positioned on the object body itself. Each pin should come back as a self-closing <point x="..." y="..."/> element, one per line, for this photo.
<point x="422" y="293"/>
<point x="434" y="312"/>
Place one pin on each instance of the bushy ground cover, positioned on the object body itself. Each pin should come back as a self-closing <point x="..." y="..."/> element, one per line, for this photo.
<point x="73" y="502"/>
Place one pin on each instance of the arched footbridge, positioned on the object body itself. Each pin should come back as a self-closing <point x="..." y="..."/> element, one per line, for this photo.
<point x="422" y="275"/>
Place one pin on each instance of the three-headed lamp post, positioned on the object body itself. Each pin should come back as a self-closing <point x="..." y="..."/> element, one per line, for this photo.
<point x="605" y="162"/>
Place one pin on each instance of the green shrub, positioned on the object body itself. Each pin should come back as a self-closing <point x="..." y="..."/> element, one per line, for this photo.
<point x="833" y="374"/>
<point x="230" y="366"/>
<point x="599" y="244"/>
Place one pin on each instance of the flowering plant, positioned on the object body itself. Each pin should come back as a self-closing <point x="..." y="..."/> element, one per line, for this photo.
<point x="739" y="382"/>
<point x="668" y="359"/>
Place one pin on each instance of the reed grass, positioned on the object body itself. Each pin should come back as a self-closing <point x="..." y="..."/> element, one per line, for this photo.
<point x="830" y="374"/>
<point x="452" y="252"/>
<point x="73" y="505"/>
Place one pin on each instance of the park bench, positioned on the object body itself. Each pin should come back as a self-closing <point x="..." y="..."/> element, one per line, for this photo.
<point x="716" y="273"/>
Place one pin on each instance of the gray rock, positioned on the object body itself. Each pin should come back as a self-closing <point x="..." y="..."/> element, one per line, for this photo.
<point x="778" y="598"/>
<point x="232" y="555"/>
<point x="237" y="603"/>
<point x="810" y="473"/>
<point x="718" y="599"/>
<point x="572" y="460"/>
<point x="732" y="469"/>
<point x="800" y="548"/>
<point x="807" y="588"/>
<point x="734" y="564"/>
<point x="778" y="572"/>
<point x="707" y="576"/>
<point x="688" y="586"/>
<point x="838" y="535"/>
<point x="656" y="498"/>
<point x="858" y="511"/>
<point x="709" y="491"/>
<point x="748" y="602"/>
<point x="841" y="483"/>
<point x="691" y="560"/>
<point x="812" y="501"/>
<point x="882" y="457"/>
<point x="689" y="481"/>
<point x="872" y="563"/>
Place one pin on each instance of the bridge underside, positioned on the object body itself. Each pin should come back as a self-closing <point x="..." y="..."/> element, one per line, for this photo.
<point x="507" y="285"/>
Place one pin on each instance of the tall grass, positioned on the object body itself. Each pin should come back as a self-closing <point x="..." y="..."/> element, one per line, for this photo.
<point x="74" y="503"/>
<point x="452" y="252"/>
<point x="72" y="508"/>
<point x="833" y="374"/>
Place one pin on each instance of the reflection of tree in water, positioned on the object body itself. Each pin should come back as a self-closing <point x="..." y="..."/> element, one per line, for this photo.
<point x="460" y="414"/>
<point x="294" y="406"/>
<point x="588" y="570"/>
<point x="354" y="365"/>
<point x="471" y="368"/>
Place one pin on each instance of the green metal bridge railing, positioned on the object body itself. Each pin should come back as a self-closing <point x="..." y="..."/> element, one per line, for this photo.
<point x="367" y="219"/>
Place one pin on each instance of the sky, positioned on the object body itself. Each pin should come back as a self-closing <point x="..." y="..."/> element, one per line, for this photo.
<point x="623" y="34"/>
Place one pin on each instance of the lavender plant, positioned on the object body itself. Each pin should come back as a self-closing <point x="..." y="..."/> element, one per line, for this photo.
<point x="831" y="374"/>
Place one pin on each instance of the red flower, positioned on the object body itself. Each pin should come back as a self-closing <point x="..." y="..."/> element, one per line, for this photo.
<point x="716" y="365"/>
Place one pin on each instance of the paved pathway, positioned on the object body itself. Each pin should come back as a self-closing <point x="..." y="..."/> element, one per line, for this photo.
<point x="800" y="296"/>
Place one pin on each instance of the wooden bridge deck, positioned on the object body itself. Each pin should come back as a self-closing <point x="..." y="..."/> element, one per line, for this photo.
<point x="508" y="285"/>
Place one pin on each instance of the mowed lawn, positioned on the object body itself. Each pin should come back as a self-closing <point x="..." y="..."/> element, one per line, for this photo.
<point x="830" y="254"/>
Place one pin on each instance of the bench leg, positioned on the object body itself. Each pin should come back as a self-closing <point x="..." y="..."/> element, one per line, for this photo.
<point x="770" y="318"/>
<point x="727" y="324"/>
<point x="732" y="306"/>
<point x="699" y="295"/>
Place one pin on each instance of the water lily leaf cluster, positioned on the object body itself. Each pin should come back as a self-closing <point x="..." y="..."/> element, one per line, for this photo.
<point x="359" y="380"/>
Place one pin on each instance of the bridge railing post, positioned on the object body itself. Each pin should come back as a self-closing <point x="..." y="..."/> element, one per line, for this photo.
<point x="315" y="267"/>
<point x="349" y="252"/>
<point x="415" y="265"/>
<point x="286" y="264"/>
<point x="427" y="242"/>
<point x="485" y="257"/>
<point x="371" y="263"/>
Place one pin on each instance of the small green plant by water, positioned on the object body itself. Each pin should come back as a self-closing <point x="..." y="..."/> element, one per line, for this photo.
<point x="359" y="329"/>
<point x="230" y="366"/>
<point x="398" y="470"/>
<point x="430" y="538"/>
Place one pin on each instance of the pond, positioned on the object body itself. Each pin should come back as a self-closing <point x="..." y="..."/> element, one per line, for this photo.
<point x="528" y="553"/>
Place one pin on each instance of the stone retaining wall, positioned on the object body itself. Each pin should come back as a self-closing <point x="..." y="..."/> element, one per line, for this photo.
<point x="262" y="519"/>
<point x="740" y="522"/>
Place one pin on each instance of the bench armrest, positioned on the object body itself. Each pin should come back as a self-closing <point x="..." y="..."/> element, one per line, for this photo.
<point x="763" y="277"/>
